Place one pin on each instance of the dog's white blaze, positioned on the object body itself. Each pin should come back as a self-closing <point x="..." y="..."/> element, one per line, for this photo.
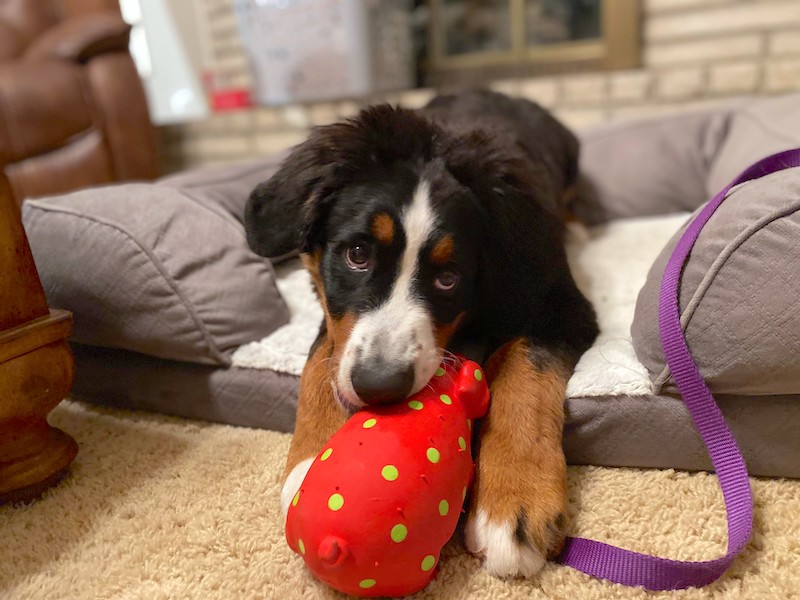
<point x="401" y="329"/>
<point x="503" y="555"/>
<point x="418" y="223"/>
<point x="293" y="483"/>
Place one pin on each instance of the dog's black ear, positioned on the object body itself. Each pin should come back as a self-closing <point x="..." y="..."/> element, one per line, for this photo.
<point x="275" y="213"/>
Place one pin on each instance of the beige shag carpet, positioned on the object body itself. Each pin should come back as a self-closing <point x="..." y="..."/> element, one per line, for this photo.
<point x="157" y="507"/>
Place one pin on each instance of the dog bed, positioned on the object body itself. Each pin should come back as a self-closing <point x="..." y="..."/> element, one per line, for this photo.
<point x="173" y="313"/>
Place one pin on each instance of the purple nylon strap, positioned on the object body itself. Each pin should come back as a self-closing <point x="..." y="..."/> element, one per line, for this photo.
<point x="654" y="573"/>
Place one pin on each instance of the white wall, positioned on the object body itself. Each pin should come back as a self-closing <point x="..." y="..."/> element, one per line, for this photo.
<point x="167" y="49"/>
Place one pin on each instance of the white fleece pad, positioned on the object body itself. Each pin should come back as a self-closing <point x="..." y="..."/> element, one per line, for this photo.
<point x="286" y="349"/>
<point x="610" y="264"/>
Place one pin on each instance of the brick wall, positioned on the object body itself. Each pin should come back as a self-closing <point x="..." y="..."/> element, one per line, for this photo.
<point x="696" y="53"/>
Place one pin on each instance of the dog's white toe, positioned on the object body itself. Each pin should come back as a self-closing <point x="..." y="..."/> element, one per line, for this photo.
<point x="293" y="483"/>
<point x="503" y="555"/>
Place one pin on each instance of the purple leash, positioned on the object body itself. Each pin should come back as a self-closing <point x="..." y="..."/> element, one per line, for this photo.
<point x="651" y="572"/>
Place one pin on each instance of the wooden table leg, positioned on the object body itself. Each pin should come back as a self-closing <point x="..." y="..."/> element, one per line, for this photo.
<point x="36" y="370"/>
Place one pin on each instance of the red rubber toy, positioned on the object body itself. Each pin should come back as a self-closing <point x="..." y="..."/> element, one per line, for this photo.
<point x="384" y="495"/>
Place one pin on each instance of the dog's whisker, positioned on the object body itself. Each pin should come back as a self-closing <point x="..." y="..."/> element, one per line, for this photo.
<point x="326" y="363"/>
<point x="448" y="357"/>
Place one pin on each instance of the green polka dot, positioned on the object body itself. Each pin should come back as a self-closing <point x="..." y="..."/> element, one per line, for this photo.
<point x="389" y="472"/>
<point x="369" y="423"/>
<point x="463" y="494"/>
<point x="301" y="545"/>
<point x="439" y="372"/>
<point x="462" y="443"/>
<point x="446" y="399"/>
<point x="366" y="583"/>
<point x="399" y="533"/>
<point x="478" y="375"/>
<point x="335" y="502"/>
<point x="433" y="455"/>
<point x="415" y="404"/>
<point x="428" y="562"/>
<point x="327" y="454"/>
<point x="444" y="508"/>
<point x="296" y="499"/>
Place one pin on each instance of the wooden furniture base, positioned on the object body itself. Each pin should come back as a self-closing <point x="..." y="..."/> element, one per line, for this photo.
<point x="45" y="467"/>
<point x="36" y="370"/>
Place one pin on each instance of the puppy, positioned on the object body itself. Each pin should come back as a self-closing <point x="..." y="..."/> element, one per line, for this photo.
<point x="434" y="231"/>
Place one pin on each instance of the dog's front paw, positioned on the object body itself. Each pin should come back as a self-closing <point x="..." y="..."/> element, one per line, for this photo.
<point x="517" y="518"/>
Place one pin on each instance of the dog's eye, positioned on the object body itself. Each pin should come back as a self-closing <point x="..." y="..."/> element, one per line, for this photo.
<point x="446" y="281"/>
<point x="358" y="257"/>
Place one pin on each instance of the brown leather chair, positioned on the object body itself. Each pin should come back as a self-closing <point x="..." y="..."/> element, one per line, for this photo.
<point x="72" y="108"/>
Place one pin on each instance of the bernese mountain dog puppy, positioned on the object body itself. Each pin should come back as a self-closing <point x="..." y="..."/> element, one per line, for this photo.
<point x="434" y="231"/>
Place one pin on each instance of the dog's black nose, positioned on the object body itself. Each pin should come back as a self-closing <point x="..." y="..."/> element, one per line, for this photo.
<point x="379" y="383"/>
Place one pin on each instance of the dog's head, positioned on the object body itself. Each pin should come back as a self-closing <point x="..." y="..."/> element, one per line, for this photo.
<point x="409" y="232"/>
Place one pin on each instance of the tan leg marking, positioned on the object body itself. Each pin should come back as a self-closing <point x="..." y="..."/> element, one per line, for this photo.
<point x="519" y="500"/>
<point x="319" y="415"/>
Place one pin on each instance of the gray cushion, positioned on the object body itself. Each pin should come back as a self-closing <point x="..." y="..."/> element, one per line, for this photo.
<point x="676" y="162"/>
<point x="740" y="294"/>
<point x="623" y="431"/>
<point x="647" y="166"/>
<point x="245" y="397"/>
<point x="756" y="129"/>
<point x="657" y="432"/>
<point x="162" y="269"/>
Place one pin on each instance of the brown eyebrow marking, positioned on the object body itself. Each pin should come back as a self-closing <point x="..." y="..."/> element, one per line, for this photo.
<point x="442" y="252"/>
<point x="383" y="228"/>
